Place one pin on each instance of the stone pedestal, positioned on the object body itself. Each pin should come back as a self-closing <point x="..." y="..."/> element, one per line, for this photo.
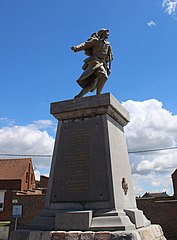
<point x="153" y="232"/>
<point x="90" y="185"/>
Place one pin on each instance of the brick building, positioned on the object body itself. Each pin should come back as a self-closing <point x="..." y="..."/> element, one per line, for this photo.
<point x="161" y="209"/>
<point x="15" y="175"/>
<point x="155" y="195"/>
<point x="32" y="202"/>
<point x="32" y="205"/>
<point x="42" y="184"/>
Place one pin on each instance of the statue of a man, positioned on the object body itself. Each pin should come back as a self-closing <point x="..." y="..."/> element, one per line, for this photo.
<point x="97" y="66"/>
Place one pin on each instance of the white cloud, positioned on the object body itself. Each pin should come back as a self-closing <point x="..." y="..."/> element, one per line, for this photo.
<point x="37" y="174"/>
<point x="170" y="6"/>
<point x="152" y="183"/>
<point x="156" y="183"/>
<point x="145" y="165"/>
<point x="29" y="139"/>
<point x="151" y="24"/>
<point x="151" y="127"/>
<point x="6" y="121"/>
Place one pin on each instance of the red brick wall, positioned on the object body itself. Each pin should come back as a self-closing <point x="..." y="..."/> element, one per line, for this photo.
<point x="32" y="205"/>
<point x="12" y="185"/>
<point x="44" y="181"/>
<point x="163" y="212"/>
<point x="28" y="180"/>
<point x="5" y="215"/>
<point x="9" y="186"/>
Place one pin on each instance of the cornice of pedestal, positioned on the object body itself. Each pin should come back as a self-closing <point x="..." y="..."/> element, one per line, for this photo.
<point x="90" y="107"/>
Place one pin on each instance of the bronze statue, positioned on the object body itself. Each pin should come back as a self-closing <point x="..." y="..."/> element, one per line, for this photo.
<point x="97" y="67"/>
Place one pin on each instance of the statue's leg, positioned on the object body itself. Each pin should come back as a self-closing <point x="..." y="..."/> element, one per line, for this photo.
<point x="88" y="88"/>
<point x="83" y="92"/>
<point x="103" y="77"/>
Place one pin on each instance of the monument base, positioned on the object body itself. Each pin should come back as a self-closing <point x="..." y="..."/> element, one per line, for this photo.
<point x="88" y="220"/>
<point x="152" y="232"/>
<point x="90" y="186"/>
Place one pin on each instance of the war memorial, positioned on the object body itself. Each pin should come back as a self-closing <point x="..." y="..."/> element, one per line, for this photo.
<point x="90" y="193"/>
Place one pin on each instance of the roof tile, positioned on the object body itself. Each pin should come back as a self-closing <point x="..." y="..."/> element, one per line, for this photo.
<point x="13" y="168"/>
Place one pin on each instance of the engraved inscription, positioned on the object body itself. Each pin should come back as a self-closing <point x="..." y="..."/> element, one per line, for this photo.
<point x="78" y="158"/>
<point x="80" y="168"/>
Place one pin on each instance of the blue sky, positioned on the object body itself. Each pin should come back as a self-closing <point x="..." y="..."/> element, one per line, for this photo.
<point x="37" y="67"/>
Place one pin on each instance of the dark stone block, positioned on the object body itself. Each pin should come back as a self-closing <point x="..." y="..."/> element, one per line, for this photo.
<point x="80" y="171"/>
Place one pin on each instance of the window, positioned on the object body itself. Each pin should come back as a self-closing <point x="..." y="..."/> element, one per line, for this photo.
<point x="32" y="178"/>
<point x="2" y="193"/>
<point x="27" y="177"/>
